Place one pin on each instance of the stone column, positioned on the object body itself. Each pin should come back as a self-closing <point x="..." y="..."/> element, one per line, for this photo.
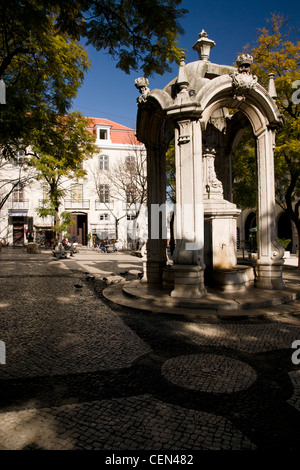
<point x="189" y="219"/>
<point x="156" y="202"/>
<point x="270" y="252"/>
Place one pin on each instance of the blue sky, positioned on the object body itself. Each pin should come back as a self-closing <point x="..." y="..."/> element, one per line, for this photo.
<point x="109" y="93"/>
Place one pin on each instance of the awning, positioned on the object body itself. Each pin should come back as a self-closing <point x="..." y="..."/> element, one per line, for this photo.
<point x="17" y="213"/>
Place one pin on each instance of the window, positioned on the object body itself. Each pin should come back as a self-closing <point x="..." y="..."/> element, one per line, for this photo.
<point x="130" y="162"/>
<point x="104" y="133"/>
<point x="77" y="193"/>
<point x="131" y="195"/>
<point x="18" y="193"/>
<point x="104" y="193"/>
<point x="131" y="216"/>
<point x="104" y="217"/>
<point x="104" y="162"/>
<point x="19" y="158"/>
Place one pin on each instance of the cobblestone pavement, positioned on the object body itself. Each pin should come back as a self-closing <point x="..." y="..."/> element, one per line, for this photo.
<point x="84" y="373"/>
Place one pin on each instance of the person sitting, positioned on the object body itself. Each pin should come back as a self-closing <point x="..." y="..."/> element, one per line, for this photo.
<point x="116" y="246"/>
<point x="103" y="247"/>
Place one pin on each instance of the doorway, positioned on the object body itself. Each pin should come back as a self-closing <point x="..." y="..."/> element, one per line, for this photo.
<point x="18" y="235"/>
<point x="78" y="229"/>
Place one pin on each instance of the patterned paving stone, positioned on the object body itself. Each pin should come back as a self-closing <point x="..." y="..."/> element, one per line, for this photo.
<point x="295" y="379"/>
<point x="82" y="373"/>
<point x="250" y="338"/>
<point x="135" y="423"/>
<point x="209" y="373"/>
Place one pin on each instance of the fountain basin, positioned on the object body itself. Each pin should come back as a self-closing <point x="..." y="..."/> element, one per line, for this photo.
<point x="233" y="279"/>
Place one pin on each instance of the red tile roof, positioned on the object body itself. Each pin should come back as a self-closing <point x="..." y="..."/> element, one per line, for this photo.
<point x="119" y="134"/>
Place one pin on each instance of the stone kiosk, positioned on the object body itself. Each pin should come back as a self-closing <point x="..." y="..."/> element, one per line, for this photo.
<point x="205" y="109"/>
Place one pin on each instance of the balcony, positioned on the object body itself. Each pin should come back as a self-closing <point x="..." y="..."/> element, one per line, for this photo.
<point x="18" y="205"/>
<point x="81" y="204"/>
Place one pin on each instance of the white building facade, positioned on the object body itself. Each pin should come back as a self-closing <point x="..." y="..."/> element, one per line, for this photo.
<point x="102" y="208"/>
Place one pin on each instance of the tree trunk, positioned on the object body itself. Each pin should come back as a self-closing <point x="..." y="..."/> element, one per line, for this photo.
<point x="57" y="234"/>
<point x="298" y="232"/>
<point x="117" y="228"/>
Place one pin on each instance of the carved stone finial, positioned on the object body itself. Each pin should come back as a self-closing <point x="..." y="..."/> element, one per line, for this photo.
<point x="272" y="88"/>
<point x="203" y="46"/>
<point x="142" y="84"/>
<point x="182" y="80"/>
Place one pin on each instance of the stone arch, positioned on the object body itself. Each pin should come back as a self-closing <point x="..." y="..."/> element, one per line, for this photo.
<point x="263" y="115"/>
<point x="185" y="108"/>
<point x="256" y="104"/>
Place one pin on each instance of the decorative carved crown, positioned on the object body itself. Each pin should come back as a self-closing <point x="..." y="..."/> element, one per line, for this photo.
<point x="244" y="59"/>
<point x="142" y="81"/>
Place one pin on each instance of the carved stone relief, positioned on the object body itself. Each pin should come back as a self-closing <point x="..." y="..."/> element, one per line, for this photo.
<point x="242" y="80"/>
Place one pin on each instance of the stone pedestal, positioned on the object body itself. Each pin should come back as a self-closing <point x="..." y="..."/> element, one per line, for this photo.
<point x="269" y="276"/>
<point x="188" y="281"/>
<point x="220" y="236"/>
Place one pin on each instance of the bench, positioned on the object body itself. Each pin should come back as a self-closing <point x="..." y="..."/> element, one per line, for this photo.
<point x="32" y="248"/>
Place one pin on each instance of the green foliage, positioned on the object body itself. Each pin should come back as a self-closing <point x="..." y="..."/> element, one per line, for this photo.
<point x="140" y="33"/>
<point x="171" y="172"/>
<point x="137" y="33"/>
<point x="244" y="171"/>
<point x="276" y="52"/>
<point x="284" y="242"/>
<point x="65" y="222"/>
<point x="42" y="69"/>
<point x="43" y="64"/>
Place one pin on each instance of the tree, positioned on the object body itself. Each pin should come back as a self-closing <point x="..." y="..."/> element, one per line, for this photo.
<point x="58" y="150"/>
<point x="42" y="70"/>
<point x="276" y="52"/>
<point x="43" y="65"/>
<point x="139" y="33"/>
<point x="171" y="172"/>
<point x="244" y="171"/>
